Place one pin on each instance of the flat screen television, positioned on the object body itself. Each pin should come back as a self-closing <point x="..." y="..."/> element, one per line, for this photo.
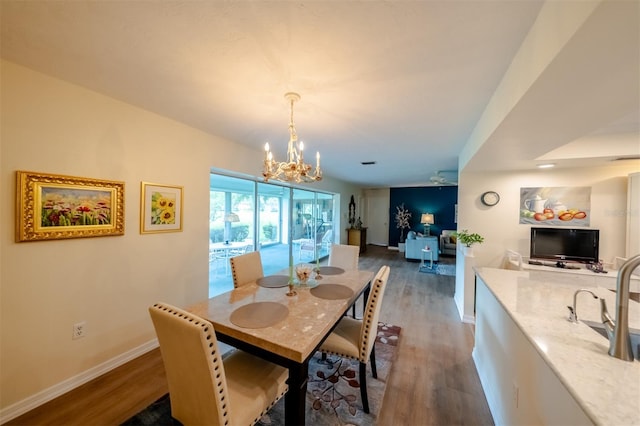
<point x="565" y="245"/>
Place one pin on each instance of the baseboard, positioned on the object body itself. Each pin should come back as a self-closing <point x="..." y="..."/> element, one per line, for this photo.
<point x="46" y="395"/>
<point x="469" y="319"/>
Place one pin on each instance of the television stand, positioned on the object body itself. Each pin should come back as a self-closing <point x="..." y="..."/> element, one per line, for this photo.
<point x="564" y="265"/>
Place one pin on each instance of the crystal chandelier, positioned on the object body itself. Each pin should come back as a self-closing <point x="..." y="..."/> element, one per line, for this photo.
<point x="294" y="169"/>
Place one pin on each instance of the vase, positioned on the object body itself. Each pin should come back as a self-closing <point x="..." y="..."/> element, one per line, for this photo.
<point x="467" y="251"/>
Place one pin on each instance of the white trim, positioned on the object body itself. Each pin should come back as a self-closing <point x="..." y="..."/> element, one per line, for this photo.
<point x="469" y="319"/>
<point x="46" y="395"/>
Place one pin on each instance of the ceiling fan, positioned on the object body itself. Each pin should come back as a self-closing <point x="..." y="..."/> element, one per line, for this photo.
<point x="441" y="177"/>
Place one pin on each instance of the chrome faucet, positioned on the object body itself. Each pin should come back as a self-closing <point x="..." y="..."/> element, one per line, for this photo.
<point x="573" y="311"/>
<point x="618" y="330"/>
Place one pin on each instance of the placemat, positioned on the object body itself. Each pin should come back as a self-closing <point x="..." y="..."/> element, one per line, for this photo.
<point x="330" y="270"/>
<point x="259" y="314"/>
<point x="273" y="281"/>
<point x="332" y="291"/>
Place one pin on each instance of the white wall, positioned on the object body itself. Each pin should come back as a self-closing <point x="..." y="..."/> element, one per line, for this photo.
<point x="51" y="126"/>
<point x="500" y="224"/>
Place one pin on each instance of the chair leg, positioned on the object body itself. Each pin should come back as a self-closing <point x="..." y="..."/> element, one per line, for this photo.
<point x="353" y="307"/>
<point x="363" y="387"/>
<point x="324" y="356"/>
<point x="372" y="358"/>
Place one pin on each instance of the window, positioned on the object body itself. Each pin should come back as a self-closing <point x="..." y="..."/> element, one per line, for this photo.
<point x="275" y="219"/>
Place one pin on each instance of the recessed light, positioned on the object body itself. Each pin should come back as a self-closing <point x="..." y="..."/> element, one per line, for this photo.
<point x="546" y="166"/>
<point x="368" y="163"/>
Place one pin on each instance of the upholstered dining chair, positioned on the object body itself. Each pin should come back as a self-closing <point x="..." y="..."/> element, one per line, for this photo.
<point x="345" y="257"/>
<point x="204" y="389"/>
<point x="355" y="339"/>
<point x="246" y="268"/>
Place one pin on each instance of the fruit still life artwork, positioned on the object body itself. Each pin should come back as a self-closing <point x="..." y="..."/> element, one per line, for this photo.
<point x="555" y="206"/>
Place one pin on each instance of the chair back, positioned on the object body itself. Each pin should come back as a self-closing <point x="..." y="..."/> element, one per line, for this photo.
<point x="344" y="256"/>
<point x="369" y="328"/>
<point x="195" y="372"/>
<point x="246" y="268"/>
<point x="512" y="260"/>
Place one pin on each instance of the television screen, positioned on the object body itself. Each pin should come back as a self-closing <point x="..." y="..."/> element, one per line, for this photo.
<point x="562" y="244"/>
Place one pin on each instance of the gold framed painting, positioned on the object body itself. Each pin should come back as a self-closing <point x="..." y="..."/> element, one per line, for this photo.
<point x="53" y="207"/>
<point x="160" y="208"/>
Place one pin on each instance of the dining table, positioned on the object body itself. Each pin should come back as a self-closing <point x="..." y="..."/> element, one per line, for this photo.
<point x="261" y="319"/>
<point x="226" y="250"/>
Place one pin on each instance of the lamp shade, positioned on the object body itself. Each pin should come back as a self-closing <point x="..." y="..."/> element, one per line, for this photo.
<point x="231" y="217"/>
<point x="427" y="219"/>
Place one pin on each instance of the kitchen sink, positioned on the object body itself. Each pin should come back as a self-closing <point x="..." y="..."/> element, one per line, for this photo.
<point x="635" y="335"/>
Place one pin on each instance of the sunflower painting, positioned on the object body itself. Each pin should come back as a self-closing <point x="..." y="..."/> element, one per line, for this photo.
<point x="161" y="208"/>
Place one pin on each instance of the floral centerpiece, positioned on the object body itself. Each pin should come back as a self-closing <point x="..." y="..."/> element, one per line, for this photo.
<point x="303" y="273"/>
<point x="403" y="216"/>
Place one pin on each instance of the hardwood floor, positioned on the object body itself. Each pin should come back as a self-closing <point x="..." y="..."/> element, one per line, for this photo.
<point x="432" y="382"/>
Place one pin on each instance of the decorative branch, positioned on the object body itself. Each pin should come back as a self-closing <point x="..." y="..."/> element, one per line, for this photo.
<point x="403" y="217"/>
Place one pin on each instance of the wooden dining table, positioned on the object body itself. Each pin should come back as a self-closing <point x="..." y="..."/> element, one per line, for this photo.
<point x="297" y="334"/>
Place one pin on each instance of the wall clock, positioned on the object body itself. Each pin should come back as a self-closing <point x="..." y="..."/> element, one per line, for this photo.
<point x="490" y="198"/>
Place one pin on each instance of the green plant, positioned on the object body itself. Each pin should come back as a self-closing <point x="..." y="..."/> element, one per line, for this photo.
<point x="469" y="239"/>
<point x="269" y="231"/>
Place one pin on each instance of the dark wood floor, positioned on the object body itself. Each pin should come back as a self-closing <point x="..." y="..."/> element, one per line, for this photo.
<point x="432" y="382"/>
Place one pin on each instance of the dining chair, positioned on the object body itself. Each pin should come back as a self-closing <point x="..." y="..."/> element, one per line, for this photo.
<point x="345" y="257"/>
<point x="246" y="268"/>
<point x="355" y="339"/>
<point x="204" y="389"/>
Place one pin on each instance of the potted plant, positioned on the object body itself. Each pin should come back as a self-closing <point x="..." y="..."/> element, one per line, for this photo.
<point x="468" y="239"/>
<point x="403" y="216"/>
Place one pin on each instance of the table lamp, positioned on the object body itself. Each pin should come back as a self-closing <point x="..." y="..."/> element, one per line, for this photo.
<point x="426" y="220"/>
<point x="228" y="218"/>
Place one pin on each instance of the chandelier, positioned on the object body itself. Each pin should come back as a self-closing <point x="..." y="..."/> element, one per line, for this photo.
<point x="294" y="169"/>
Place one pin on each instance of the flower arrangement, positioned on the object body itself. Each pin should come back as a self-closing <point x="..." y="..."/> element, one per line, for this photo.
<point x="303" y="273"/>
<point x="469" y="239"/>
<point x="403" y="216"/>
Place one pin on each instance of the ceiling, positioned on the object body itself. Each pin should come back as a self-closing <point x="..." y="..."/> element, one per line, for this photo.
<point x="401" y="83"/>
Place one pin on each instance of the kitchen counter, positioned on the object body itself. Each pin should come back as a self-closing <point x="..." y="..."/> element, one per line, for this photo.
<point x="532" y="355"/>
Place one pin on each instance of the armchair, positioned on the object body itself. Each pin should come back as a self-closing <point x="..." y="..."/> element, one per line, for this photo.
<point x="448" y="242"/>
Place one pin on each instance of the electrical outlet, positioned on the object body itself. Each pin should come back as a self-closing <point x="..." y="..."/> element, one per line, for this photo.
<point x="79" y="330"/>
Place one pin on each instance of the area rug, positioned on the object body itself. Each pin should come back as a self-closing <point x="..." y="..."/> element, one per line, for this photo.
<point x="439" y="269"/>
<point x="333" y="391"/>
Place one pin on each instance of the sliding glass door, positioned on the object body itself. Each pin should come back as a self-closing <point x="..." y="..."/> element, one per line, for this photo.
<point x="277" y="220"/>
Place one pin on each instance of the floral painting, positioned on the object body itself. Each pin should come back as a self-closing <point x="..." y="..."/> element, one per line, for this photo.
<point x="58" y="206"/>
<point x="74" y="207"/>
<point x="161" y="208"/>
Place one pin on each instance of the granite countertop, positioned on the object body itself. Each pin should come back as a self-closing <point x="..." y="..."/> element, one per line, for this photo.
<point x="607" y="388"/>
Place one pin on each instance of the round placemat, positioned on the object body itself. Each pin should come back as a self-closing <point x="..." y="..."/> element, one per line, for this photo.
<point x="332" y="291"/>
<point x="273" y="281"/>
<point x="330" y="270"/>
<point x="259" y="314"/>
